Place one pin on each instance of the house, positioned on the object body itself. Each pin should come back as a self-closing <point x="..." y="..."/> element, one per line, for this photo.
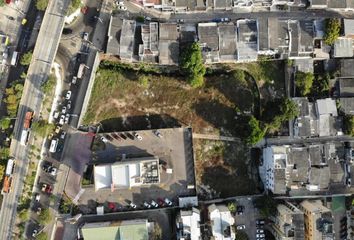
<point x="346" y="67"/>
<point x="168" y="44"/>
<point x="247" y="40"/>
<point x="149" y="49"/>
<point x="288" y="222"/>
<point x="127" y="40"/>
<point x="318" y="4"/>
<point x="317" y="119"/>
<point x="343" y="47"/>
<point x="348" y="28"/>
<point x="227" y="42"/>
<point x="126" y="174"/>
<point x="114" y="33"/>
<point x="222" y="4"/>
<point x="188" y="224"/>
<point x="318" y="220"/>
<point x="347" y="105"/>
<point x="208" y="35"/>
<point x="346" y="86"/>
<point x="221" y="222"/>
<point x="187" y="34"/>
<point x="344" y="5"/>
<point x="128" y="229"/>
<point x="301" y="169"/>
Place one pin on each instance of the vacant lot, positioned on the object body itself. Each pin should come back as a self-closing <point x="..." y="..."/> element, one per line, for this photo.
<point x="129" y="100"/>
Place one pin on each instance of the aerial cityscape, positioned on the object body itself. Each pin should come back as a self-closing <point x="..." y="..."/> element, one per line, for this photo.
<point x="177" y="119"/>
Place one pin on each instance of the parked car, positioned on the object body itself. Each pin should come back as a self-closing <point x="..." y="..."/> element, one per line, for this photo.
<point x="62" y="135"/>
<point x="260" y="221"/>
<point x="115" y="136"/>
<point x="132" y="205"/>
<point x="37" y="197"/>
<point x="119" y="3"/>
<point x="137" y="136"/>
<point x="130" y="136"/>
<point x="158" y="134"/>
<point x="260" y="231"/>
<point x="46" y="166"/>
<point x="67" y="118"/>
<point x="122" y="8"/>
<point x="108" y="137"/>
<point x="68" y="95"/>
<point x="63" y="110"/>
<point x="168" y="202"/>
<point x="154" y="204"/>
<point x="122" y="135"/>
<point x="68" y="105"/>
<point x="73" y="81"/>
<point x="147" y="18"/>
<point x="67" y="31"/>
<point x="180" y="20"/>
<point x="46" y="188"/>
<point x="61" y="119"/>
<point x="34" y="232"/>
<point x="53" y="171"/>
<point x="85" y="36"/>
<point x="240" y="227"/>
<point x="103" y="139"/>
<point x="349" y="182"/>
<point x="84" y="10"/>
<point x="147" y="205"/>
<point x="57" y="129"/>
<point x="56" y="114"/>
<point x="260" y="235"/>
<point x="225" y="19"/>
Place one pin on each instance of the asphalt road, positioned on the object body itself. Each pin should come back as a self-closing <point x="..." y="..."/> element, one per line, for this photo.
<point x="43" y="56"/>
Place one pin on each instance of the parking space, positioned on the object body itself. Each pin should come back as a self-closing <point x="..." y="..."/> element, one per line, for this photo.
<point x="249" y="218"/>
<point x="173" y="148"/>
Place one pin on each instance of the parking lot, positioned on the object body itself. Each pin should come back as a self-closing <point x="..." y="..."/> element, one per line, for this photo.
<point x="174" y="150"/>
<point x="248" y="218"/>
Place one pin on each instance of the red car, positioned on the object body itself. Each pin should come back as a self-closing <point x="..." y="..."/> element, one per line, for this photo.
<point x="8" y="1"/>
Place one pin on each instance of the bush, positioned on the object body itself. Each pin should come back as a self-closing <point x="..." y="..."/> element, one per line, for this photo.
<point x="42" y="128"/>
<point x="12" y="99"/>
<point x="49" y="85"/>
<point x="349" y="125"/>
<point x="192" y="66"/>
<point x="23" y="215"/>
<point x="42" y="236"/>
<point x="303" y="82"/>
<point x="5" y="123"/>
<point x="255" y="131"/>
<point x="26" y="58"/>
<point x="74" y="4"/>
<point x="266" y="205"/>
<point x="232" y="207"/>
<point x="332" y="31"/>
<point x="143" y="81"/>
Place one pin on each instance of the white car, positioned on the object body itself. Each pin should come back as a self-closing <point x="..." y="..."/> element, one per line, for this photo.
<point x="240" y="227"/>
<point x="154" y="204"/>
<point x="85" y="36"/>
<point x="63" y="110"/>
<point x="62" y="135"/>
<point x="67" y="117"/>
<point x="119" y="3"/>
<point x="137" y="136"/>
<point x="34" y="233"/>
<point x="37" y="197"/>
<point x="168" y="202"/>
<point x="132" y="205"/>
<point x="123" y="8"/>
<point x="53" y="171"/>
<point x="68" y="95"/>
<point x="73" y="81"/>
<point x="68" y="105"/>
<point x="260" y="231"/>
<point x="56" y="115"/>
<point x="61" y="120"/>
<point x="158" y="134"/>
<point x="147" y="205"/>
<point x="260" y="235"/>
<point x="104" y="139"/>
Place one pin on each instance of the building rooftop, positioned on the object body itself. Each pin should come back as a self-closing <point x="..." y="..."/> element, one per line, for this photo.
<point x="114" y="33"/>
<point x="188" y="224"/>
<point x="222" y="4"/>
<point x="132" y="229"/>
<point x="227" y="42"/>
<point x="168" y="44"/>
<point x="326" y="106"/>
<point x="346" y="87"/>
<point x="306" y="36"/>
<point x="346" y="67"/>
<point x="319" y="2"/>
<point x="349" y="27"/>
<point x="208" y="34"/>
<point x="337" y="3"/>
<point x="347" y="105"/>
<point x="343" y="47"/>
<point x="127" y="40"/>
<point x="222" y="222"/>
<point x="247" y="40"/>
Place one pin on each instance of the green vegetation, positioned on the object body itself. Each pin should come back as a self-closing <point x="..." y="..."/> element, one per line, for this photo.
<point x="65" y="205"/>
<point x="24" y="215"/>
<point x="143" y="81"/>
<point x="332" y="31"/>
<point x="255" y="131"/>
<point x="5" y="123"/>
<point x="13" y="96"/>
<point x="303" y="82"/>
<point x="42" y="236"/>
<point x="241" y="235"/>
<point x="41" y="5"/>
<point x="348" y="125"/>
<point x="232" y="207"/>
<point x="74" y="5"/>
<point x="266" y="205"/>
<point x="26" y="58"/>
<point x="42" y="128"/>
<point x="192" y="65"/>
<point x="320" y="86"/>
<point x="44" y="217"/>
<point x="140" y="19"/>
<point x="49" y="85"/>
<point x="2" y="3"/>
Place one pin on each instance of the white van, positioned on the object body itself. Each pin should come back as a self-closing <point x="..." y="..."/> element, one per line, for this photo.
<point x="53" y="145"/>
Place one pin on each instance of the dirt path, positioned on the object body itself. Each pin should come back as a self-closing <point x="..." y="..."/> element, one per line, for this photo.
<point x="215" y="137"/>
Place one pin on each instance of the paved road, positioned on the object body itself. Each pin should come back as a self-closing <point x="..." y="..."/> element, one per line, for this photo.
<point x="43" y="56"/>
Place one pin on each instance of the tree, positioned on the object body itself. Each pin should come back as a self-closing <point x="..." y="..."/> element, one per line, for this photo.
<point x="303" y="82"/>
<point x="42" y="128"/>
<point x="232" y="207"/>
<point x="4" y="153"/>
<point x="26" y="58"/>
<point x="239" y="75"/>
<point x="5" y="123"/>
<point x="49" y="85"/>
<point x="255" y="131"/>
<point x="241" y="235"/>
<point x="42" y="236"/>
<point x="332" y="31"/>
<point x="289" y="110"/>
<point x="349" y="125"/>
<point x="13" y="96"/>
<point x="74" y="4"/>
<point x="320" y="86"/>
<point x="23" y="215"/>
<point x="266" y="205"/>
<point x="41" y="5"/>
<point x="44" y="217"/>
<point x="192" y="65"/>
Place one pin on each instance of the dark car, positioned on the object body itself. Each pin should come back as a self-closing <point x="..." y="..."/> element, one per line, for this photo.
<point x="67" y="31"/>
<point x="122" y="135"/>
<point x="115" y="136"/>
<point x="108" y="137"/>
<point x="129" y="135"/>
<point x="46" y="166"/>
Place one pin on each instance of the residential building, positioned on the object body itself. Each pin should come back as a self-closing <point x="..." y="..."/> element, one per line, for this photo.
<point x="302" y="169"/>
<point x="343" y="47"/>
<point x="168" y="44"/>
<point x="188" y="224"/>
<point x="227" y="42"/>
<point x="317" y="119"/>
<point x="122" y="230"/>
<point x="348" y="28"/>
<point x="127" y="173"/>
<point x="221" y="222"/>
<point x="318" y="4"/>
<point x="346" y="86"/>
<point x="114" y="33"/>
<point x="347" y="105"/>
<point x="318" y="220"/>
<point x="208" y="35"/>
<point x="343" y="5"/>
<point x="149" y="49"/>
<point x="346" y="67"/>
<point x="222" y="4"/>
<point x="127" y="40"/>
<point x="288" y="222"/>
<point x="247" y="40"/>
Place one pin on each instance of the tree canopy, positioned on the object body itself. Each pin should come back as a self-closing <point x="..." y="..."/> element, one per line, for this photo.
<point x="192" y="65"/>
<point x="266" y="205"/>
<point x="5" y="123"/>
<point x="49" y="85"/>
<point x="332" y="31"/>
<point x="26" y="58"/>
<point x="42" y="236"/>
<point x="41" y="5"/>
<point x="349" y="125"/>
<point x="255" y="131"/>
<point x="13" y="96"/>
<point x="74" y="4"/>
<point x="303" y="82"/>
<point x="241" y="235"/>
<point x="42" y="128"/>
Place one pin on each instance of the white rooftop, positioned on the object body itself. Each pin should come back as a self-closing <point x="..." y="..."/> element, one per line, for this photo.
<point x="221" y="219"/>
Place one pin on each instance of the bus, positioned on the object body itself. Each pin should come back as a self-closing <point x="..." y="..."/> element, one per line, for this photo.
<point x="14" y="58"/>
<point x="53" y="146"/>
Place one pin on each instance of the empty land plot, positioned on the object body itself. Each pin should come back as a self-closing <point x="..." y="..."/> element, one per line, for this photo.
<point x="129" y="100"/>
